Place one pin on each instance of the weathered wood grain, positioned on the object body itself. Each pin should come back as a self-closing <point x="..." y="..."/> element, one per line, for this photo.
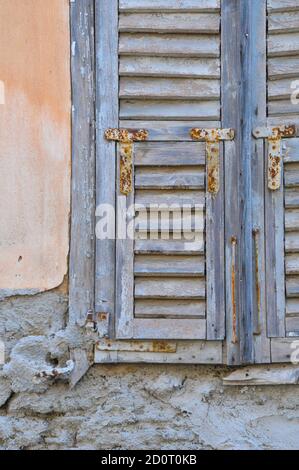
<point x="281" y="349"/>
<point x="81" y="284"/>
<point x="169" y="110"/>
<point x="166" y="224"/>
<point x="291" y="176"/>
<point x="283" y="109"/>
<point x="292" y="307"/>
<point x="168" y="45"/>
<point x="275" y="259"/>
<point x="155" y="265"/>
<point x="170" y="178"/>
<point x="156" y="328"/>
<point x="106" y="23"/>
<point x="290" y="150"/>
<point x="184" y="6"/>
<point x="292" y="327"/>
<point x="124" y="287"/>
<point x="292" y="242"/>
<point x="171" y="154"/>
<point x="165" y="131"/>
<point x="215" y="298"/>
<point x="292" y="220"/>
<point x="283" y="67"/>
<point x="282" y="5"/>
<point x="291" y="199"/>
<point x="169" y="288"/>
<point x="190" y="197"/>
<point x="187" y="352"/>
<point x="200" y="23"/>
<point x="239" y="72"/>
<point x="169" y="247"/>
<point x="257" y="376"/>
<point x="283" y="22"/>
<point x="145" y="308"/>
<point x="165" y="88"/>
<point x="258" y="118"/>
<point x="280" y="89"/>
<point x="292" y="263"/>
<point x="292" y="286"/>
<point x="283" y="45"/>
<point x="172" y="67"/>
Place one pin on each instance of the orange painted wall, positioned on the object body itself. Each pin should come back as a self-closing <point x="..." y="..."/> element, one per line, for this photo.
<point x="35" y="148"/>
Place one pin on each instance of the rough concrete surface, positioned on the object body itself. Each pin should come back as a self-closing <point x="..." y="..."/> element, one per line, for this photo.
<point x="127" y="407"/>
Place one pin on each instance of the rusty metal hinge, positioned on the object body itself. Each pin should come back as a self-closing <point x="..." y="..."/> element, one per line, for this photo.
<point x="274" y="136"/>
<point x="98" y="323"/>
<point x="126" y="137"/>
<point x="212" y="137"/>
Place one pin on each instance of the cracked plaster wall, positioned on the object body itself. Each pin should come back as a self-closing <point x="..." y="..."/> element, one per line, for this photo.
<point x="123" y="407"/>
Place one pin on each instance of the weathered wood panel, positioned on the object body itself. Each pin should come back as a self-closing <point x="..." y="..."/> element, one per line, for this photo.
<point x="171" y="67"/>
<point x="281" y="349"/>
<point x="172" y="198"/>
<point x="282" y="5"/>
<point x="177" y="308"/>
<point x="283" y="44"/>
<point x="200" y="23"/>
<point x="166" y="131"/>
<point x="169" y="247"/>
<point x="169" y="110"/>
<point x="169" y="288"/>
<point x="169" y="265"/>
<point x="170" y="178"/>
<point x="171" y="154"/>
<point x="169" y="5"/>
<point x="187" y="352"/>
<point x="283" y="109"/>
<point x="283" y="22"/>
<point x="82" y="249"/>
<point x="169" y="60"/>
<point x="283" y="67"/>
<point x="214" y="231"/>
<point x="107" y="106"/>
<point x="168" y="45"/>
<point x="280" y="89"/>
<point x="165" y="88"/>
<point x="156" y="328"/>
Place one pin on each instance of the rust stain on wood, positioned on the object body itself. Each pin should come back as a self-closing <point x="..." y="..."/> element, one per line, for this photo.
<point x="212" y="137"/>
<point x="274" y="163"/>
<point x="126" y="168"/>
<point x="213" y="166"/>
<point x="137" y="346"/>
<point x="126" y="137"/>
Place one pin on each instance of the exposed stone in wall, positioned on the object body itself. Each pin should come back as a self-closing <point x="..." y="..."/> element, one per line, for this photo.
<point x="136" y="406"/>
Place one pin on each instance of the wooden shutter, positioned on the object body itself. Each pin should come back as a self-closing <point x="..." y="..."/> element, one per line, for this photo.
<point x="163" y="278"/>
<point x="282" y="204"/>
<point x="158" y="69"/>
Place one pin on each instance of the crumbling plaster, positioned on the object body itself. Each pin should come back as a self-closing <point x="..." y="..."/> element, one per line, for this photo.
<point x="121" y="406"/>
